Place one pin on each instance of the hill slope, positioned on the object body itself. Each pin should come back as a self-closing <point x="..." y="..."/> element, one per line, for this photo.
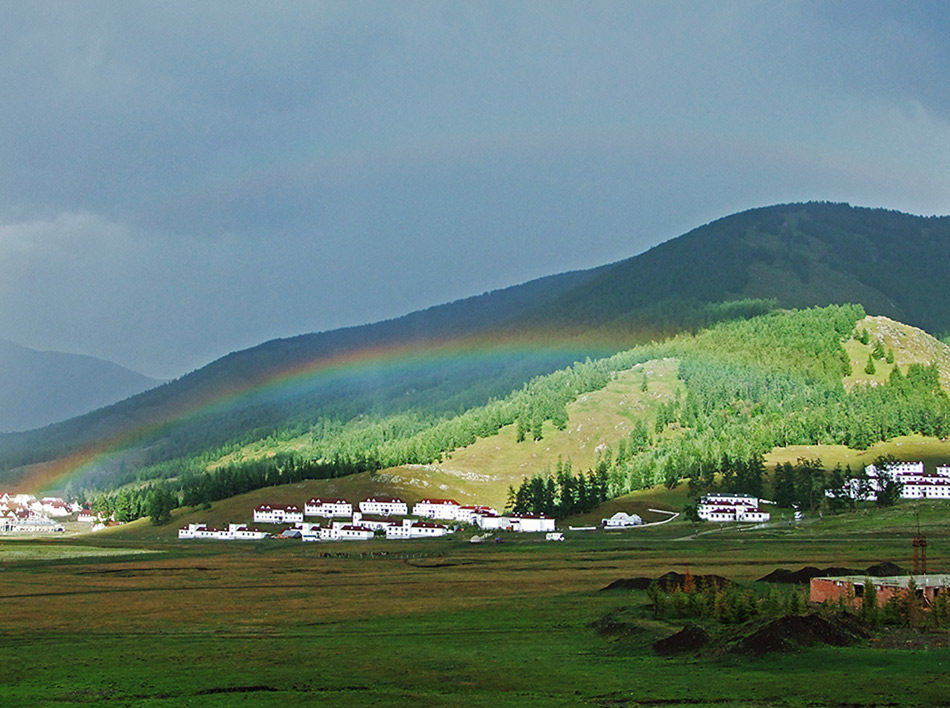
<point x="39" y="388"/>
<point x="801" y="255"/>
<point x="795" y="255"/>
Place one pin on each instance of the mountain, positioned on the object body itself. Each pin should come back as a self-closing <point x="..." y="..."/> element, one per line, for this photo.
<point x="432" y="364"/>
<point x="800" y="255"/>
<point x="38" y="388"/>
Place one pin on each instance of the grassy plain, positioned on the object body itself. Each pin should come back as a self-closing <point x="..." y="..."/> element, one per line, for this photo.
<point x="431" y="623"/>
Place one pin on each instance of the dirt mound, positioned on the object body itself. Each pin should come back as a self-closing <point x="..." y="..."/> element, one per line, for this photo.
<point x="641" y="583"/>
<point x="792" y="632"/>
<point x="668" y="581"/>
<point x="885" y="569"/>
<point x="804" y="575"/>
<point x="689" y="639"/>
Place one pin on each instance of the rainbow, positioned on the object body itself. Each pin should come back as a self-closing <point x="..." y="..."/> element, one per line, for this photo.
<point x="368" y="362"/>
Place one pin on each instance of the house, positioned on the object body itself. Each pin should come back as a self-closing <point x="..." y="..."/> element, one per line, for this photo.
<point x="371" y="522"/>
<point x="531" y="523"/>
<point x="467" y="514"/>
<point x="915" y="481"/>
<point x="352" y="532"/>
<point x="189" y="530"/>
<point x="328" y="507"/>
<point x="415" y="529"/>
<point x="53" y="506"/>
<point x="88" y="516"/>
<point x="277" y="514"/>
<point x="731" y="507"/>
<point x="384" y="506"/>
<point x="852" y="587"/>
<point x="245" y="533"/>
<point x="446" y="509"/>
<point x="622" y="520"/>
<point x="491" y="522"/>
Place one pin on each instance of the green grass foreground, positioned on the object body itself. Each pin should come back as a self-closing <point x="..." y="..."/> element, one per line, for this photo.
<point x="440" y="623"/>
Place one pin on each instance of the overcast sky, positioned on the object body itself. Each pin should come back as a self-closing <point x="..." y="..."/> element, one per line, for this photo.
<point x="182" y="179"/>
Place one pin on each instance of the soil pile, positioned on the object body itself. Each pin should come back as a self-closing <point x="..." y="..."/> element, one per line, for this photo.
<point x="804" y="575"/>
<point x="794" y="632"/>
<point x="641" y="583"/>
<point x="885" y="569"/>
<point x="689" y="639"/>
<point x="668" y="581"/>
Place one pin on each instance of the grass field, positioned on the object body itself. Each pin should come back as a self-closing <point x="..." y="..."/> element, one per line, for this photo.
<point x="431" y="623"/>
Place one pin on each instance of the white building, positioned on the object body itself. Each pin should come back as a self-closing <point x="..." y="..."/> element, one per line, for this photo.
<point x="189" y="530"/>
<point x="467" y="514"/>
<point x="491" y="522"/>
<point x="415" y="529"/>
<point x="242" y="532"/>
<point x="88" y="516"/>
<point x="445" y="509"/>
<point x="531" y="523"/>
<point x="916" y="482"/>
<point x="53" y="506"/>
<point x="731" y="507"/>
<point x="384" y="506"/>
<point x="371" y="522"/>
<point x="622" y="520"/>
<point x="352" y="532"/>
<point x="277" y="514"/>
<point x="328" y="507"/>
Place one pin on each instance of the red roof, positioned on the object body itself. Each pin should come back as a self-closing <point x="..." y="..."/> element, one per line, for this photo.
<point x="320" y="502"/>
<point x="383" y="499"/>
<point x="439" y="501"/>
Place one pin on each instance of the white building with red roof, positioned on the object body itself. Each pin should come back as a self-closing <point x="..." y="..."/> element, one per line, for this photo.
<point x="415" y="529"/>
<point x="88" y="516"/>
<point x="277" y="514"/>
<point x="370" y="522"/>
<point x="446" y="509"/>
<point x="328" y="507"/>
<point x="915" y="481"/>
<point x="189" y="530"/>
<point x="384" y="506"/>
<point x="489" y="521"/>
<point x="731" y="507"/>
<point x="467" y="514"/>
<point x="354" y="532"/>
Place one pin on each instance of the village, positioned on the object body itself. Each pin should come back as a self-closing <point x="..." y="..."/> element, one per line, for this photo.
<point x="334" y="519"/>
<point x="373" y="517"/>
<point x="25" y="514"/>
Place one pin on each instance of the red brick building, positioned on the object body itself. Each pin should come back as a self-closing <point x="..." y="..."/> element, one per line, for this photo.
<point x="852" y="587"/>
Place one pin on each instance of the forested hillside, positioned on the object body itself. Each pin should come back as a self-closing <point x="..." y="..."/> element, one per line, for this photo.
<point x="745" y="388"/>
<point x="800" y="255"/>
<point x="395" y="391"/>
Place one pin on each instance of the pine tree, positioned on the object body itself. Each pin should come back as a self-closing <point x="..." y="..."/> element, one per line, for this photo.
<point x="870" y="612"/>
<point x="869" y="368"/>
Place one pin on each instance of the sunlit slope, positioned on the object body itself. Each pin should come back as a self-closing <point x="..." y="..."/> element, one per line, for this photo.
<point x="910" y="345"/>
<point x="488" y="467"/>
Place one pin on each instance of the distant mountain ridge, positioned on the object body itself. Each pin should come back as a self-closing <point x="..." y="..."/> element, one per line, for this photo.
<point x="792" y="255"/>
<point x="38" y="388"/>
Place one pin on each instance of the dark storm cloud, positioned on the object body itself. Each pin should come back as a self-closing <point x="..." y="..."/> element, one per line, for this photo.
<point x="180" y="179"/>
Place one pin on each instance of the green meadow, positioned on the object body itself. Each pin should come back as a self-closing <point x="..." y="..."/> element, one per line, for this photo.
<point x="434" y="623"/>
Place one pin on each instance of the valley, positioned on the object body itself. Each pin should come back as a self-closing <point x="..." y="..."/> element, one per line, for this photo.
<point x="443" y="622"/>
